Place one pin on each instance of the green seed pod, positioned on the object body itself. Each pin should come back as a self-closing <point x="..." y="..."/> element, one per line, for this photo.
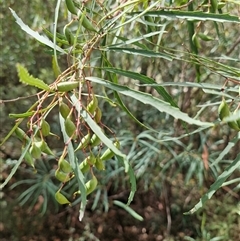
<point x="91" y="185"/>
<point x="84" y="166"/>
<point x="29" y="159"/>
<point x="108" y="154"/>
<point x="21" y="135"/>
<point x="98" y="115"/>
<point x="64" y="109"/>
<point x="45" y="148"/>
<point x="92" y="106"/>
<point x="85" y="22"/>
<point x="221" y="5"/>
<point x="84" y="142"/>
<point x="64" y="165"/>
<point x="45" y="127"/>
<point x="223" y="110"/>
<point x="71" y="7"/>
<point x="61" y="198"/>
<point x="62" y="176"/>
<point x="234" y="125"/>
<point x="195" y="41"/>
<point x="99" y="164"/>
<point x="68" y="34"/>
<point x="67" y="86"/>
<point x="70" y="128"/>
<point x="35" y="151"/>
<point x="95" y="140"/>
<point x="214" y="6"/>
<point x="204" y="37"/>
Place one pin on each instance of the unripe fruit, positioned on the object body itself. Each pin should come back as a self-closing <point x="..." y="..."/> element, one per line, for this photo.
<point x="61" y="198"/>
<point x="70" y="128"/>
<point x="84" y="142"/>
<point x="35" y="151"/>
<point x="86" y="23"/>
<point x="67" y="86"/>
<point x="71" y="7"/>
<point x="68" y="34"/>
<point x="64" y="165"/>
<point x="29" y="159"/>
<point x="99" y="164"/>
<point x="92" y="106"/>
<point x="45" y="128"/>
<point x="234" y="125"/>
<point x="62" y="176"/>
<point x="21" y="135"/>
<point x="91" y="185"/>
<point x="84" y="166"/>
<point x="95" y="140"/>
<point x="98" y="115"/>
<point x="108" y="154"/>
<point x="223" y="110"/>
<point x="64" y="109"/>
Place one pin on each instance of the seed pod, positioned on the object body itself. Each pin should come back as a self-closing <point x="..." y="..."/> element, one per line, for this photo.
<point x="234" y="125"/>
<point x="29" y="159"/>
<point x="95" y="140"/>
<point x="21" y="135"/>
<point x="98" y="115"/>
<point x="35" y="151"/>
<point x="61" y="198"/>
<point x="45" y="127"/>
<point x="68" y="34"/>
<point x="84" y="142"/>
<point x="64" y="165"/>
<point x="62" y="176"/>
<point x="84" y="166"/>
<point x="45" y="148"/>
<point x="67" y="86"/>
<point x="85" y="22"/>
<point x="70" y="128"/>
<point x="92" y="106"/>
<point x="223" y="110"/>
<point x="64" y="109"/>
<point x="108" y="154"/>
<point x="91" y="185"/>
<point x="214" y="6"/>
<point x="71" y="7"/>
<point x="99" y="164"/>
<point x="204" y="37"/>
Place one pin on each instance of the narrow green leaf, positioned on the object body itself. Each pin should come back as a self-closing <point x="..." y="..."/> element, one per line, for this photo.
<point x="151" y="100"/>
<point x="193" y="15"/>
<point x="26" y="78"/>
<point x="133" y="184"/>
<point x="142" y="52"/>
<point x="35" y="34"/>
<point x="144" y="79"/>
<point x="216" y="185"/>
<point x="128" y="209"/>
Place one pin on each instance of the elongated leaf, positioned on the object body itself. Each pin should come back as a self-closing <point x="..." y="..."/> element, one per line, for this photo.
<point x="194" y="15"/>
<point x="128" y="209"/>
<point x="26" y="78"/>
<point x="217" y="184"/>
<point x="142" y="52"/>
<point x="151" y="100"/>
<point x="35" y="34"/>
<point x="144" y="79"/>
